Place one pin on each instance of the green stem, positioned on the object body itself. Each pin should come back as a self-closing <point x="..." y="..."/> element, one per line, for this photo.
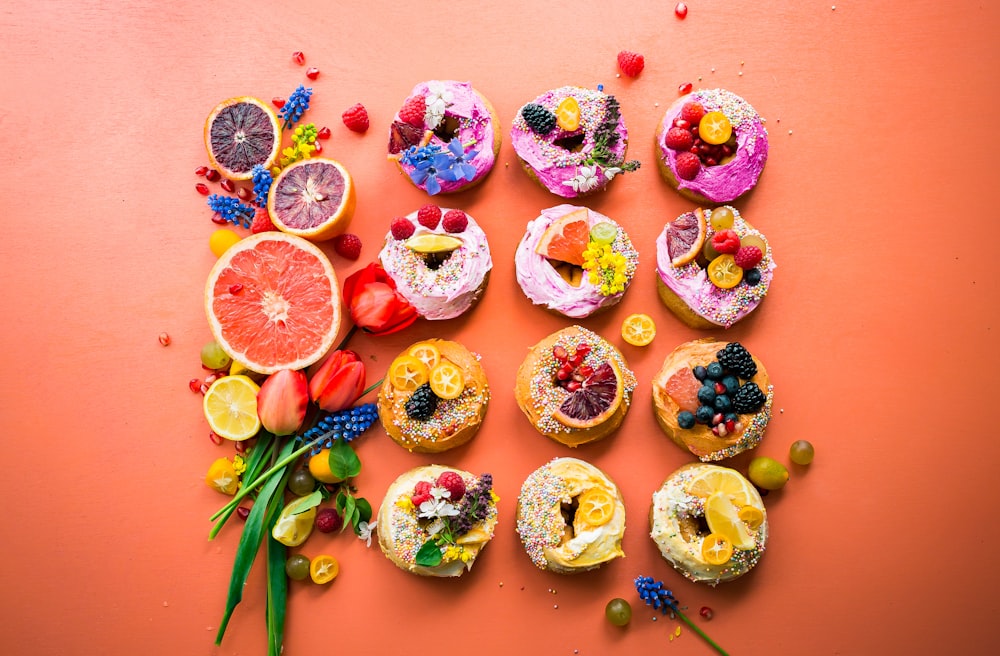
<point x="347" y="338"/>
<point x="700" y="632"/>
<point x="371" y="387"/>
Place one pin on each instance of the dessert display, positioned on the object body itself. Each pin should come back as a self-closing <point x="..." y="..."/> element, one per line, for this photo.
<point x="574" y="261"/>
<point x="572" y="140"/>
<point x="713" y="268"/>
<point x="570" y="516"/>
<point x="713" y="398"/>
<point x="712" y="146"/>
<point x="439" y="259"/>
<point x="434" y="396"/>
<point x="434" y="520"/>
<point x="445" y="137"/>
<point x="709" y="522"/>
<point x="574" y="387"/>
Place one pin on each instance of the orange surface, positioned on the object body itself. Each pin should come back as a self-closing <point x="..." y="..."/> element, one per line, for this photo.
<point x="878" y="332"/>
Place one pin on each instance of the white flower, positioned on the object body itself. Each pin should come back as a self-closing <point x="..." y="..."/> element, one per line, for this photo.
<point x="612" y="172"/>
<point x="438" y="98"/>
<point x="365" y="531"/>
<point x="585" y="180"/>
<point x="435" y="508"/>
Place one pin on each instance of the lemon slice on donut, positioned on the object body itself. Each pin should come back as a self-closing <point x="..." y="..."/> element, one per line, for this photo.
<point x="726" y="481"/>
<point x="723" y="518"/>
<point x="433" y="243"/>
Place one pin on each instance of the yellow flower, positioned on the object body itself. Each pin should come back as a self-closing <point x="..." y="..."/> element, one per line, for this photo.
<point x="452" y="552"/>
<point x="495" y="497"/>
<point x="239" y="464"/>
<point x="405" y="504"/>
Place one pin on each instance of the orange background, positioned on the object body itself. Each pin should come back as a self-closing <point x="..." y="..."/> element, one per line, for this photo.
<point x="878" y="331"/>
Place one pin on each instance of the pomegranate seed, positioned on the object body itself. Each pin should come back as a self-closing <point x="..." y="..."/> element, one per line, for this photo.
<point x="202" y="188"/>
<point x="720" y="388"/>
<point x="203" y="389"/>
<point x="717" y="419"/>
<point x="681" y="10"/>
<point x="563" y="374"/>
<point x="194" y="384"/>
<point x="236" y="288"/>
<point x="573" y="385"/>
<point x="218" y="218"/>
<point x="201" y="170"/>
<point x="324" y="133"/>
<point x="212" y="175"/>
<point x="706" y="612"/>
<point x="243" y="512"/>
<point x="228" y="185"/>
<point x="715" y="431"/>
<point x="241" y="446"/>
<point x="211" y="378"/>
<point x="704" y="148"/>
<point x="216" y="440"/>
<point x="721" y="428"/>
<point x="299" y="57"/>
<point x="694" y="130"/>
<point x="312" y="73"/>
<point x="578" y="378"/>
<point x="685" y="88"/>
<point x="577" y="359"/>
<point x="730" y="425"/>
<point x="585" y="370"/>
<point x="583" y="349"/>
<point x="318" y="146"/>
<point x="164" y="339"/>
<point x="559" y="353"/>
<point x="693" y="150"/>
<point x="278" y="102"/>
<point x="681" y="123"/>
<point x="243" y="193"/>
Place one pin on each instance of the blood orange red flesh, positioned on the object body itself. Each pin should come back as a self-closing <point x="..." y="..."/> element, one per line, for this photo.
<point x="312" y="198"/>
<point x="566" y="238"/>
<point x="685" y="237"/>
<point x="273" y="302"/>
<point x="597" y="399"/>
<point x="241" y="133"/>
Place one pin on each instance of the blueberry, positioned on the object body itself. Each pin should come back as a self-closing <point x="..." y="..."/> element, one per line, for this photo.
<point x="723" y="404"/>
<point x="714" y="371"/>
<point x="706" y="395"/>
<point x="704" y="414"/>
<point x="685" y="419"/>
<point x="700" y="373"/>
<point x="752" y="277"/>
<point x="731" y="383"/>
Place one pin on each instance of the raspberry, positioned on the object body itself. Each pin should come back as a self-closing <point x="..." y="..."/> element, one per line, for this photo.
<point x="347" y="246"/>
<point x="688" y="166"/>
<point x="413" y="111"/>
<point x="356" y="118"/>
<point x="726" y="242"/>
<point x="455" y="221"/>
<point x="692" y="112"/>
<point x="261" y="221"/>
<point x="454" y="483"/>
<point x="418" y="499"/>
<point x="328" y="520"/>
<point x="401" y="228"/>
<point x="631" y="63"/>
<point x="679" y="139"/>
<point x="747" y="257"/>
<point x="429" y="216"/>
<point x="422" y="487"/>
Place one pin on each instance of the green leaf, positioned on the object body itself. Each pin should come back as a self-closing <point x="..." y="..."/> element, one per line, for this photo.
<point x="303" y="504"/>
<point x="340" y="501"/>
<point x="364" y="509"/>
<point x="344" y="462"/>
<point x="348" y="512"/>
<point x="277" y="584"/>
<point x="429" y="555"/>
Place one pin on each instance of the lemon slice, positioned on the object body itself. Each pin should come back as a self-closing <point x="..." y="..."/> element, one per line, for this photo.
<point x="230" y="406"/>
<point x="723" y="518"/>
<point x="433" y="243"/>
<point x="716" y="549"/>
<point x="726" y="481"/>
<point x="426" y="353"/>
<point x="595" y="506"/>
<point x="407" y="373"/>
<point x="447" y="381"/>
<point x="638" y="329"/>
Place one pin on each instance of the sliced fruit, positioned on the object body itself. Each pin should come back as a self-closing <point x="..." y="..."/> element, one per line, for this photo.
<point x="319" y="467"/>
<point x="716" y="549"/>
<point x="725" y="481"/>
<point x="447" y="380"/>
<point x="402" y="136"/>
<point x="222" y="477"/>
<point x="568" y="114"/>
<point x="273" y="302"/>
<point x="566" y="238"/>
<point x="598" y="398"/>
<point x="752" y="517"/>
<point x="312" y="198"/>
<point x="294" y="524"/>
<point x="724" y="272"/>
<point x="230" y="406"/>
<point x="683" y="388"/>
<point x="407" y="373"/>
<point x="595" y="507"/>
<point x="323" y="569"/>
<point x="723" y="518"/>
<point x="754" y="240"/>
<point x="715" y="128"/>
<point x="685" y="236"/>
<point x="241" y="133"/>
<point x="426" y="353"/>
<point x="604" y="233"/>
<point x="722" y="218"/>
<point x="638" y="329"/>
<point x="433" y="243"/>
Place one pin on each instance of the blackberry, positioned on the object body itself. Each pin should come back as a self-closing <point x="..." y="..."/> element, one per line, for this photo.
<point x="685" y="419"/>
<point x="748" y="398"/>
<point x="737" y="359"/>
<point x="539" y="119"/>
<point x="422" y="404"/>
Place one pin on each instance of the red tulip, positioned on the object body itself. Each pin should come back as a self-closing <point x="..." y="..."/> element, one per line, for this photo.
<point x="282" y="401"/>
<point x="339" y="381"/>
<point x="374" y="303"/>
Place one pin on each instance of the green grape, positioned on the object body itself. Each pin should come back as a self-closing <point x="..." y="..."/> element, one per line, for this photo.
<point x="618" y="611"/>
<point x="604" y="232"/>
<point x="213" y="357"/>
<point x="722" y="218"/>
<point x="801" y="452"/>
<point x="301" y="482"/>
<point x="297" y="567"/>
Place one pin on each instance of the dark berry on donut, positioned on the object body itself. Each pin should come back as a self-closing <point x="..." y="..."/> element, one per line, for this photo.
<point x="748" y="398"/>
<point x="738" y="360"/>
<point x="539" y="119"/>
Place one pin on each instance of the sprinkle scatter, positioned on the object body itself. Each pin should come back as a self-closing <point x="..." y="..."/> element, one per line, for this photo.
<point x="538" y="527"/>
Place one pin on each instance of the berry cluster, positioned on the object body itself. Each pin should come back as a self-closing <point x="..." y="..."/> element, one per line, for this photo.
<point x="572" y="372"/>
<point x="727" y="242"/>
<point x="422" y="403"/>
<point x="429" y="216"/>
<point x="693" y="151"/>
<point x="722" y="397"/>
<point x="344" y="425"/>
<point x="540" y="120"/>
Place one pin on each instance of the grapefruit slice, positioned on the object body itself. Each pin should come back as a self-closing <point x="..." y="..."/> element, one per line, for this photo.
<point x="312" y="198"/>
<point x="598" y="398"/>
<point x="241" y="133"/>
<point x="685" y="237"/>
<point x="273" y="302"/>
<point x="683" y="388"/>
<point x="566" y="238"/>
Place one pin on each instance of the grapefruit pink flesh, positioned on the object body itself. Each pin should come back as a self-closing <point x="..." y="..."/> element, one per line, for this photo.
<point x="566" y="238"/>
<point x="683" y="387"/>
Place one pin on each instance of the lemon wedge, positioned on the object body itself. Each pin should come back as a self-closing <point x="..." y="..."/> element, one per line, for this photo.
<point x="726" y="481"/>
<point x="433" y="243"/>
<point x="723" y="518"/>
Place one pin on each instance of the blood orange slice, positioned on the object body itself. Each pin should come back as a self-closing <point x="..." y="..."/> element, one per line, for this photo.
<point x="241" y="133"/>
<point x="566" y="238"/>
<point x="312" y="198"/>
<point x="683" y="388"/>
<point x="273" y="302"/>
<point x="685" y="237"/>
<point x="598" y="398"/>
<point x="402" y="136"/>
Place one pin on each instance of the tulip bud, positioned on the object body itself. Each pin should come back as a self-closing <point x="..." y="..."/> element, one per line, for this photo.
<point x="282" y="401"/>
<point x="339" y="381"/>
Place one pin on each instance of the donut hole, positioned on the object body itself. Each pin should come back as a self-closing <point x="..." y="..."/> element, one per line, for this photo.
<point x="433" y="261"/>
<point x="447" y="129"/>
<point x="693" y="527"/>
<point x="572" y="274"/>
<point x="572" y="142"/>
<point x="568" y="512"/>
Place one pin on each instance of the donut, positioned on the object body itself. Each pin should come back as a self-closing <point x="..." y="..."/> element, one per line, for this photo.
<point x="709" y="523"/>
<point x="561" y="266"/>
<point x="570" y="517"/>
<point x="441" y="271"/>
<point x="574" y="387"/>
<point x="435" y="520"/>
<point x="702" y="286"/>
<point x="572" y="140"/>
<point x="434" y="396"/>
<point x="722" y="171"/>
<point x="712" y="398"/>
<point x="445" y="137"/>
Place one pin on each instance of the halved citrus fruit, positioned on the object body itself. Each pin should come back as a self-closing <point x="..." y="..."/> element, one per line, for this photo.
<point x="598" y="398"/>
<point x="241" y="133"/>
<point x="716" y="549"/>
<point x="752" y="517"/>
<point x="323" y="569"/>
<point x="724" y="272"/>
<point x="715" y="128"/>
<point x="723" y="518"/>
<point x="683" y="388"/>
<point x="638" y="329"/>
<point x="312" y="198"/>
<point x="407" y="373"/>
<point x="230" y="406"/>
<point x="685" y="237"/>
<point x="273" y="302"/>
<point x="725" y="481"/>
<point x="426" y="353"/>
<point x="433" y="243"/>
<point x="566" y="238"/>
<point x="595" y="506"/>
<point x="446" y="380"/>
<point x="568" y="114"/>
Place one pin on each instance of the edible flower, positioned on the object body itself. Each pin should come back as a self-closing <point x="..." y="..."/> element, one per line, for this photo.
<point x="655" y="595"/>
<point x="585" y="180"/>
<point x="364" y="531"/>
<point x="428" y="164"/>
<point x="282" y="401"/>
<point x="460" y="168"/>
<point x="339" y="381"/>
<point x="438" y="98"/>
<point x="295" y="106"/>
<point x="374" y="304"/>
<point x="605" y="268"/>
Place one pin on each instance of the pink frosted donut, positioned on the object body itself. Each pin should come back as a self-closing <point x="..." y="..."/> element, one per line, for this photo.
<point x="728" y="172"/>
<point x="575" y="162"/>
<point x="455" y="144"/>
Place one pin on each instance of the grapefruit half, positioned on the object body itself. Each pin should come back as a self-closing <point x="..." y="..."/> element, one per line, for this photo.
<point x="241" y="133"/>
<point x="273" y="302"/>
<point x="312" y="198"/>
<point x="566" y="238"/>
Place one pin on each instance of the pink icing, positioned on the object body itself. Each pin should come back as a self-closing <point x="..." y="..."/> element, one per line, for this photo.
<point x="555" y="166"/>
<point x="543" y="285"/>
<point x="725" y="182"/>
<point x="690" y="282"/>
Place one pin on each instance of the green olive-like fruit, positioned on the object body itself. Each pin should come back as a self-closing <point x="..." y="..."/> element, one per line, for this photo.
<point x="801" y="452"/>
<point x="618" y="611"/>
<point x="297" y="567"/>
